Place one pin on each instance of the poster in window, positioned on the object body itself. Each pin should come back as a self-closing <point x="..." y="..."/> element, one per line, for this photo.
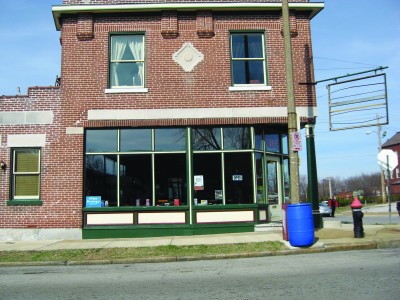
<point x="237" y="177"/>
<point x="198" y="182"/>
<point x="93" y="201"/>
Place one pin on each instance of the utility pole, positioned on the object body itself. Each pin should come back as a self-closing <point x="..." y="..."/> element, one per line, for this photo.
<point x="291" y="107"/>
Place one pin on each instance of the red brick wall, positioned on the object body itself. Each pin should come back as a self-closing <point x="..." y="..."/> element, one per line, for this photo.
<point x="59" y="210"/>
<point x="85" y="65"/>
<point x="84" y="80"/>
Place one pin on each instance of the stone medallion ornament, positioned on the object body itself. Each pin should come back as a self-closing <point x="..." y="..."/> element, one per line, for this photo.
<point x="188" y="57"/>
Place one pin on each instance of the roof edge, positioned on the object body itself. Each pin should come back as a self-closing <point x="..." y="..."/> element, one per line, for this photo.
<point x="58" y="10"/>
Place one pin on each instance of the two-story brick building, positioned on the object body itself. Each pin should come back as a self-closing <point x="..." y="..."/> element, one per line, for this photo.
<point x="171" y="118"/>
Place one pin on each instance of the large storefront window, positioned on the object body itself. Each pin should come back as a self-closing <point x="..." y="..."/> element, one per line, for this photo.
<point x="101" y="178"/>
<point x="207" y="170"/>
<point x="152" y="166"/>
<point x="170" y="171"/>
<point x="135" y="180"/>
<point x="238" y="178"/>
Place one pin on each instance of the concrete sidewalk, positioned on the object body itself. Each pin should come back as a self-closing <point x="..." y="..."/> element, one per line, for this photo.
<point x="339" y="237"/>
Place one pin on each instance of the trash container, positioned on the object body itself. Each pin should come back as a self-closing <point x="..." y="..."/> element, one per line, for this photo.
<point x="300" y="224"/>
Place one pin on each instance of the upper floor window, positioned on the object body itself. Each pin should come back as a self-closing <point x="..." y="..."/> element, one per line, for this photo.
<point x="127" y="61"/>
<point x="248" y="59"/>
<point x="26" y="174"/>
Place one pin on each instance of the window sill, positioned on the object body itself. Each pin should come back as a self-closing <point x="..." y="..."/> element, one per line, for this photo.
<point x="127" y="91"/>
<point x="24" y="203"/>
<point x="250" y="88"/>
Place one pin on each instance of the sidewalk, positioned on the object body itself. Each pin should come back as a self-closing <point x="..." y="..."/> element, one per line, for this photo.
<point x="340" y="237"/>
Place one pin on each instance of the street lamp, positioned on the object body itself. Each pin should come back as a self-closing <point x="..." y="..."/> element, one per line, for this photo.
<point x="383" y="190"/>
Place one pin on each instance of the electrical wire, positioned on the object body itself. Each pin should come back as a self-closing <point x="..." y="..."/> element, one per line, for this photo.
<point x="346" y="61"/>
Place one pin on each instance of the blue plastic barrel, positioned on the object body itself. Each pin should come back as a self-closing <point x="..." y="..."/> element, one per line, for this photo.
<point x="300" y="224"/>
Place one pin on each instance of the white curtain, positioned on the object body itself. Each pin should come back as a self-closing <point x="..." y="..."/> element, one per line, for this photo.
<point x="118" y="45"/>
<point x="136" y="46"/>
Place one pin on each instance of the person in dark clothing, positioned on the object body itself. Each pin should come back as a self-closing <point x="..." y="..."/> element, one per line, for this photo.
<point x="332" y="203"/>
<point x="398" y="207"/>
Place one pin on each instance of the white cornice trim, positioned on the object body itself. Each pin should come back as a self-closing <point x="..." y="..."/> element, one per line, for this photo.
<point x="59" y="10"/>
<point x="196" y="113"/>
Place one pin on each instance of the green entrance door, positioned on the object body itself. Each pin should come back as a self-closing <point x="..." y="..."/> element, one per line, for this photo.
<point x="274" y="188"/>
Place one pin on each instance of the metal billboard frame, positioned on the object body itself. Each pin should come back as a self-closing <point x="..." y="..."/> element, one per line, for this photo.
<point x="378" y="101"/>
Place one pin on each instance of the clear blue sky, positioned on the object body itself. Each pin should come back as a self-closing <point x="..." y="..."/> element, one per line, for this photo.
<point x="349" y="36"/>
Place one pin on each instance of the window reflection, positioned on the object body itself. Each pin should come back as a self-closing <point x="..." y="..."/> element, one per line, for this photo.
<point x="101" y="140"/>
<point x="101" y="177"/>
<point x="237" y="138"/>
<point x="170" y="139"/>
<point x="206" y="139"/>
<point x="258" y="138"/>
<point x="272" y="142"/>
<point x="135" y="140"/>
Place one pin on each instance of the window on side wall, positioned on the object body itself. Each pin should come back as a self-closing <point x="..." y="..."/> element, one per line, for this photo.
<point x="127" y="61"/>
<point x="26" y="174"/>
<point x="248" y="59"/>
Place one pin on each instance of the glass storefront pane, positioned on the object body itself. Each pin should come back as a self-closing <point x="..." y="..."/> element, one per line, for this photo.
<point x="272" y="182"/>
<point x="285" y="144"/>
<point x="170" y="139"/>
<point x="135" y="140"/>
<point x="135" y="180"/>
<point x="206" y="139"/>
<point x="207" y="169"/>
<point x="101" y="140"/>
<point x="260" y="178"/>
<point x="286" y="179"/>
<point x="238" y="178"/>
<point x="236" y="138"/>
<point x="101" y="177"/>
<point x="170" y="176"/>
<point x="258" y="132"/>
<point x="272" y="142"/>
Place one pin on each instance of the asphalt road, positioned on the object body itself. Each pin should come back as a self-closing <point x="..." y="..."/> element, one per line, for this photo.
<point x="369" y="274"/>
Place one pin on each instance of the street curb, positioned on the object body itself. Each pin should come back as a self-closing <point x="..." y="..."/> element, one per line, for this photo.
<point x="321" y="248"/>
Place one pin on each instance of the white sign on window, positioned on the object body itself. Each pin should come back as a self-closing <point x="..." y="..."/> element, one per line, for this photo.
<point x="198" y="182"/>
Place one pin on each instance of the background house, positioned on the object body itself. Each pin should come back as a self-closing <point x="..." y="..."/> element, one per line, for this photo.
<point x="393" y="144"/>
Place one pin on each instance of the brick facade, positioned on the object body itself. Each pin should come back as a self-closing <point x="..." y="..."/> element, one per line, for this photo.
<point x="84" y="80"/>
<point x="59" y="209"/>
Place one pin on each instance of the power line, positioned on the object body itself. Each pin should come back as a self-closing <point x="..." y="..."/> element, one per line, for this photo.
<point x="346" y="61"/>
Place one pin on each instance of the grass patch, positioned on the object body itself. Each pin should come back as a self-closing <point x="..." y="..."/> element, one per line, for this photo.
<point x="137" y="253"/>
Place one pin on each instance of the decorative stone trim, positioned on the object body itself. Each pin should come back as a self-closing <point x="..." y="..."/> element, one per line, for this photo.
<point x="169" y="24"/>
<point x="205" y="24"/>
<point x="84" y="30"/>
<point x="188" y="57"/>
